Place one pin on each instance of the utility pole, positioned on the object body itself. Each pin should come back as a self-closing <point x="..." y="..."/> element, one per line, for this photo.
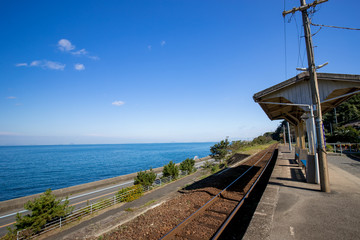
<point x="323" y="166"/>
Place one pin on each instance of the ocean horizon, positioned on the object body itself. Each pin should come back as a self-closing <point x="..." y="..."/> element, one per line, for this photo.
<point x="31" y="169"/>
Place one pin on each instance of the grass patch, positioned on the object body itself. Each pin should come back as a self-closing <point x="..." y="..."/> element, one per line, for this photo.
<point x="253" y="149"/>
<point x="149" y="202"/>
<point x="129" y="210"/>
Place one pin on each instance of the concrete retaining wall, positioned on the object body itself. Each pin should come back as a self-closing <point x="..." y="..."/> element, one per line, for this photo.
<point x="18" y="203"/>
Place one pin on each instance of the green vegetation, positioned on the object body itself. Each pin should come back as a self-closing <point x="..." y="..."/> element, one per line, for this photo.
<point x="207" y="165"/>
<point x="43" y="210"/>
<point x="130" y="193"/>
<point x="145" y="178"/>
<point x="149" y="203"/>
<point x="250" y="147"/>
<point x="215" y="168"/>
<point x="219" y="150"/>
<point x="346" y="112"/>
<point x="344" y="134"/>
<point x="171" y="170"/>
<point x="188" y="165"/>
<point x="339" y="127"/>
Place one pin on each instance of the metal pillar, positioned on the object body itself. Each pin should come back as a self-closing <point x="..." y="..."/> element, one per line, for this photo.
<point x="289" y="137"/>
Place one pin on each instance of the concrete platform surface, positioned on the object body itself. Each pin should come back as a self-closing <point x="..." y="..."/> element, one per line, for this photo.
<point x="290" y="208"/>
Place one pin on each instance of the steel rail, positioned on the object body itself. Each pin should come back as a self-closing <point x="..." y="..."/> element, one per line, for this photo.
<point x="236" y="209"/>
<point x="171" y="234"/>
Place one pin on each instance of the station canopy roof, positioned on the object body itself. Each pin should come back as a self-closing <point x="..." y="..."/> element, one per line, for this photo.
<point x="333" y="90"/>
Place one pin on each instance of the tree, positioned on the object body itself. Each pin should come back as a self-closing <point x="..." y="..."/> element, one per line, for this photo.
<point x="219" y="150"/>
<point x="346" y="112"/>
<point x="344" y="134"/>
<point x="171" y="170"/>
<point x="188" y="165"/>
<point x="262" y="139"/>
<point x="277" y="135"/>
<point x="145" y="178"/>
<point x="43" y="209"/>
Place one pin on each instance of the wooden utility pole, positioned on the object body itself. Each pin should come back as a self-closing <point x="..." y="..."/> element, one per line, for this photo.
<point x="323" y="167"/>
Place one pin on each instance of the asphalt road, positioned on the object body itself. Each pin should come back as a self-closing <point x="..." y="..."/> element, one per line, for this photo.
<point x="78" y="201"/>
<point x="347" y="163"/>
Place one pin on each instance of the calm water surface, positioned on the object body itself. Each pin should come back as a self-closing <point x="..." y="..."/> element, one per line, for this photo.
<point x="26" y="170"/>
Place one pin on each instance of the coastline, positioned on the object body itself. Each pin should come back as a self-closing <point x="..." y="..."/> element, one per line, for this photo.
<point x="18" y="203"/>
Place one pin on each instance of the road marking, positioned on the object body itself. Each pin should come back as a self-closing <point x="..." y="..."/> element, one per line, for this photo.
<point x="103" y="189"/>
<point x="93" y="198"/>
<point x="13" y="214"/>
<point x="7" y="224"/>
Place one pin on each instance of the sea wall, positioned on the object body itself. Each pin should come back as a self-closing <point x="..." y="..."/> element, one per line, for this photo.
<point x="18" y="203"/>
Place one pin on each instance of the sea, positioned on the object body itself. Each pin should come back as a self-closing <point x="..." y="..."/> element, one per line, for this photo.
<point x="27" y="170"/>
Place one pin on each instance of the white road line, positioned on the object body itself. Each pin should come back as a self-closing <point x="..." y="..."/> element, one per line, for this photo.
<point x="13" y="214"/>
<point x="103" y="189"/>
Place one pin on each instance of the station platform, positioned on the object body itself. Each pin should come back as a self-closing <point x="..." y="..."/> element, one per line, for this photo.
<point x="290" y="208"/>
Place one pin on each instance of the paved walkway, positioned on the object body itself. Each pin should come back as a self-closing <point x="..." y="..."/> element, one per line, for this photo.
<point x="290" y="208"/>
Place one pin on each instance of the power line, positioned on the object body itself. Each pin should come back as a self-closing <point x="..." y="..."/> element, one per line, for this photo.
<point x="321" y="25"/>
<point x="285" y="45"/>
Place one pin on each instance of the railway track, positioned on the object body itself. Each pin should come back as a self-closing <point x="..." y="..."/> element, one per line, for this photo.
<point x="211" y="219"/>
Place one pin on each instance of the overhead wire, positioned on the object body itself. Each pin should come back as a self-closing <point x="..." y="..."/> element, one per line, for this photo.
<point x="285" y="45"/>
<point x="300" y="59"/>
<point x="329" y="26"/>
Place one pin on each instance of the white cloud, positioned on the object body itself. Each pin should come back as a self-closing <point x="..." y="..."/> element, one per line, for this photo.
<point x="53" y="65"/>
<point x="11" y="97"/>
<point x="118" y="103"/>
<point x="80" y="52"/>
<point x="65" y="45"/>
<point x="163" y="43"/>
<point x="35" y="63"/>
<point x="93" y="57"/>
<point x="79" y="67"/>
<point x="21" y="65"/>
<point x="47" y="64"/>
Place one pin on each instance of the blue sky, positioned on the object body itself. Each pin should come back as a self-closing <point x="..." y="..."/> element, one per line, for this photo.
<point x="90" y="72"/>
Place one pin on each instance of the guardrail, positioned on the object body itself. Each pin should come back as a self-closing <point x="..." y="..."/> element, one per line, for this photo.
<point x="343" y="147"/>
<point x="92" y="208"/>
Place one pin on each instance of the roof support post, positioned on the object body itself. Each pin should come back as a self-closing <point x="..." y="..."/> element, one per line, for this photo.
<point x="301" y="134"/>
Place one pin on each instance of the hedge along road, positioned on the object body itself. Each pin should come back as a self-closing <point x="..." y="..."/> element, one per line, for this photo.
<point x="78" y="201"/>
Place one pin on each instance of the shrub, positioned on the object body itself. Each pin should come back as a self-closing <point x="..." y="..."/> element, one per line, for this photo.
<point x="188" y="165"/>
<point x="145" y="178"/>
<point x="130" y="193"/>
<point x="207" y="165"/>
<point x="171" y="170"/>
<point x="43" y="210"/>
<point x="215" y="168"/>
<point x="329" y="148"/>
